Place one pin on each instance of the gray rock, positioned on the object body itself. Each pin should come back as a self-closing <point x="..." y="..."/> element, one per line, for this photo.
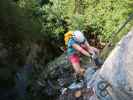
<point x="118" y="67"/>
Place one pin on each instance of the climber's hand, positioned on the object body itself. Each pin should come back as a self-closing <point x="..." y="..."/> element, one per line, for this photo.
<point x="96" y="59"/>
<point x="93" y="55"/>
<point x="94" y="50"/>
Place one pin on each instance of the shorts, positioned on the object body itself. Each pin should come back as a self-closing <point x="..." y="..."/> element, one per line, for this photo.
<point x="74" y="58"/>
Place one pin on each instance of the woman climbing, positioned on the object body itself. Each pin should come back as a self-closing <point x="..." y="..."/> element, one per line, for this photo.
<point x="77" y="43"/>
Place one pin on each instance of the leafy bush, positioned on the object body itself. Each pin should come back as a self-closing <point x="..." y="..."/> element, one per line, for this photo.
<point x="109" y="15"/>
<point x="59" y="16"/>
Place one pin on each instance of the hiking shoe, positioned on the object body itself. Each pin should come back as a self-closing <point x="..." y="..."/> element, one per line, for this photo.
<point x="78" y="78"/>
<point x="76" y="85"/>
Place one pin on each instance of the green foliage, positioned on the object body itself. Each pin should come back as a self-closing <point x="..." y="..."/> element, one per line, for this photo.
<point x="77" y="22"/>
<point x="51" y="21"/>
<point x="109" y="15"/>
<point x="59" y="16"/>
<point x="103" y="16"/>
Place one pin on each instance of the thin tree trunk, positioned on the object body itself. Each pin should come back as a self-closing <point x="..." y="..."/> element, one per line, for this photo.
<point x="79" y="7"/>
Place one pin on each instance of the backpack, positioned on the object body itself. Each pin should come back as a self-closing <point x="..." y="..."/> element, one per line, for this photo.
<point x="67" y="36"/>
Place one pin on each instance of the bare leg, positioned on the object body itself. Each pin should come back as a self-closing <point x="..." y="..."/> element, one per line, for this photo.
<point x="77" y="68"/>
<point x="75" y="61"/>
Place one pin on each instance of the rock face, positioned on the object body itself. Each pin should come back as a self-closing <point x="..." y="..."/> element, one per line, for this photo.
<point x="118" y="67"/>
<point x="114" y="81"/>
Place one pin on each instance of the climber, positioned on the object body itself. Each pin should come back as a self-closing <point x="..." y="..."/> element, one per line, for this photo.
<point x="76" y="42"/>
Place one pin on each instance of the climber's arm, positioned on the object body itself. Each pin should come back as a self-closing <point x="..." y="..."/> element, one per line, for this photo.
<point x="80" y="49"/>
<point x="91" y="49"/>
